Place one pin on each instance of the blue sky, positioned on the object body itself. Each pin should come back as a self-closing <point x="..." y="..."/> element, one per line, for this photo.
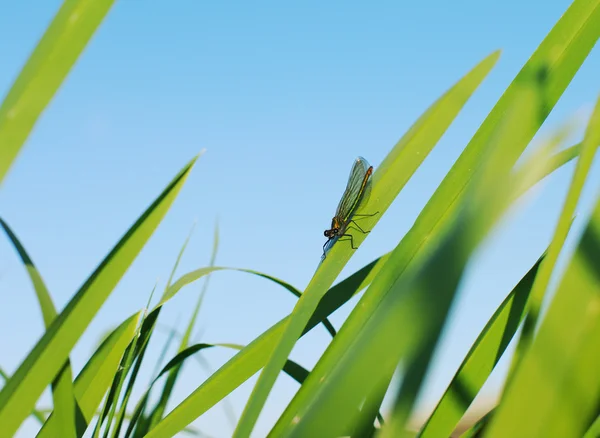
<point x="283" y="97"/>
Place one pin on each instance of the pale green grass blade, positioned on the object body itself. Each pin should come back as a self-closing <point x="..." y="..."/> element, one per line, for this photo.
<point x="590" y="144"/>
<point x="411" y="315"/>
<point x="556" y="389"/>
<point x="94" y="379"/>
<point x="37" y="413"/>
<point x="553" y="65"/>
<point x="46" y="359"/>
<point x="388" y="181"/>
<point x="62" y="387"/>
<point x="480" y="360"/>
<point x="44" y="72"/>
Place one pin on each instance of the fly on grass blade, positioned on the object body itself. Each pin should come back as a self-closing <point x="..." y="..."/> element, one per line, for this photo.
<point x="358" y="185"/>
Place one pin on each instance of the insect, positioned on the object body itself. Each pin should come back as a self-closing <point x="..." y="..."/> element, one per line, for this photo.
<point x="358" y="185"/>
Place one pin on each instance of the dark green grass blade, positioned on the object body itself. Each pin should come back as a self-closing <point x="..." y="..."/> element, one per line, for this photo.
<point x="147" y="330"/>
<point x="20" y="393"/>
<point x="44" y="72"/>
<point x="94" y="379"/>
<point x="65" y="405"/>
<point x="480" y="360"/>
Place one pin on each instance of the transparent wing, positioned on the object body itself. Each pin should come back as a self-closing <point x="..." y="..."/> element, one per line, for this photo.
<point x="354" y="189"/>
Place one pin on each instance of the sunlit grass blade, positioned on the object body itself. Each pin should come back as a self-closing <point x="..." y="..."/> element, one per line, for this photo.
<point x="91" y="384"/>
<point x="407" y="322"/>
<point x="590" y="144"/>
<point x="387" y="181"/>
<point x="552" y="67"/>
<point x="480" y="360"/>
<point x="555" y="391"/>
<point x="44" y="72"/>
<point x="36" y="413"/>
<point x="20" y="393"/>
<point x="63" y="399"/>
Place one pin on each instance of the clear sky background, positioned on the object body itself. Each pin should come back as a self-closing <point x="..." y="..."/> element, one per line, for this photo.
<point x="283" y="97"/>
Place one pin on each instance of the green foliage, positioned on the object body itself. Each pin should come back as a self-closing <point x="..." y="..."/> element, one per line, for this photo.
<point x="553" y="387"/>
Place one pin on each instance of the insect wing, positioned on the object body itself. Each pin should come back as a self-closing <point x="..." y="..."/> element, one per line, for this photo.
<point x="354" y="189"/>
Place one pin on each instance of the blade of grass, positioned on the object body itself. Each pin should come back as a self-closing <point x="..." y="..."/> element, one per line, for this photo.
<point x="97" y="374"/>
<point x="244" y="365"/>
<point x="36" y="413"/>
<point x="44" y="72"/>
<point x="556" y="389"/>
<point x="63" y="399"/>
<point x="590" y="144"/>
<point x="552" y="66"/>
<point x="408" y="320"/>
<point x="20" y="393"/>
<point x="480" y="360"/>
<point x="388" y="181"/>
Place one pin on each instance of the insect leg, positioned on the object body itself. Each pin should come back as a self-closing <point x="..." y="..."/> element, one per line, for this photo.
<point x="350" y="238"/>
<point x="361" y="216"/>
<point x="357" y="228"/>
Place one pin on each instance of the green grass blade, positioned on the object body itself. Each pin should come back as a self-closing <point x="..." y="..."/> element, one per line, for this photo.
<point x="243" y="365"/>
<point x="96" y="376"/>
<point x="590" y="144"/>
<point x="480" y="360"/>
<point x="552" y="66"/>
<point x="46" y="359"/>
<point x="143" y="341"/>
<point x="36" y="413"/>
<point x="556" y="389"/>
<point x="408" y="321"/>
<point x="388" y="181"/>
<point x="594" y="430"/>
<point x="62" y="387"/>
<point x="44" y="72"/>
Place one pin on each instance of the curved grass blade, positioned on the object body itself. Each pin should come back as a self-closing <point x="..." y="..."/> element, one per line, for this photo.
<point x="408" y="320"/>
<point x="590" y="144"/>
<point x="293" y="369"/>
<point x="44" y="72"/>
<point x="46" y="359"/>
<point x="387" y="181"/>
<point x="552" y="67"/>
<point x="248" y="361"/>
<point x="556" y="389"/>
<point x="96" y="376"/>
<point x="65" y="406"/>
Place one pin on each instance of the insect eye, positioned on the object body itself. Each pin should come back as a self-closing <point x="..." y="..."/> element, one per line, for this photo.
<point x="335" y="230"/>
<point x="326" y="233"/>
